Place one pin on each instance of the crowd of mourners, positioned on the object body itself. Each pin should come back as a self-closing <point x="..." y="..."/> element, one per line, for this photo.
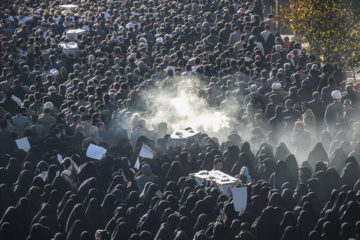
<point x="292" y="140"/>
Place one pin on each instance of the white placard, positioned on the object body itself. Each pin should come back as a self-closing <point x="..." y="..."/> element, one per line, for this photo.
<point x="59" y="158"/>
<point x="95" y="152"/>
<point x="146" y="152"/>
<point x="240" y="198"/>
<point x="137" y="164"/>
<point x="23" y="143"/>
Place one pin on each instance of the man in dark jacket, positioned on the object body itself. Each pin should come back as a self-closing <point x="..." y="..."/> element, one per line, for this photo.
<point x="318" y="107"/>
<point x="193" y="36"/>
<point x="326" y="91"/>
<point x="225" y="33"/>
<point x="270" y="108"/>
<point x="290" y="111"/>
<point x="276" y="124"/>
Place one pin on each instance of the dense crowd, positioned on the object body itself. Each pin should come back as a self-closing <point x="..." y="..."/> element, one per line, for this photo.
<point x="287" y="125"/>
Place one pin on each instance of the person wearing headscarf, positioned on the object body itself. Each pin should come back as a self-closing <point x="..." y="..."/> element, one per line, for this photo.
<point x="186" y="163"/>
<point x="244" y="177"/>
<point x="146" y="177"/>
<point x="231" y="158"/>
<point x="165" y="232"/>
<point x="174" y="173"/>
<point x="243" y="160"/>
<point x="245" y="232"/>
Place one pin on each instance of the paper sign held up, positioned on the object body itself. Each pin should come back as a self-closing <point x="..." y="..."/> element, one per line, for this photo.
<point x="23" y="143"/>
<point x="137" y="164"/>
<point x="240" y="198"/>
<point x="146" y="152"/>
<point x="59" y="158"/>
<point x="95" y="152"/>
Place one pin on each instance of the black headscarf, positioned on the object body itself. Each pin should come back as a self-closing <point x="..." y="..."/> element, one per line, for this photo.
<point x="23" y="208"/>
<point x="174" y="173"/>
<point x="350" y="174"/>
<point x="288" y="199"/>
<point x="185" y="225"/>
<point x="290" y="234"/>
<point x="109" y="205"/>
<point x="276" y="201"/>
<point x="185" y="166"/>
<point x="351" y="215"/>
<point x="173" y="220"/>
<point x="121" y="232"/>
<point x="4" y="177"/>
<point x="51" y="174"/>
<point x="7" y="198"/>
<point x="317" y="154"/>
<point x="231" y="158"/>
<point x="181" y="235"/>
<point x="48" y="211"/>
<point x="219" y="232"/>
<point x="38" y="182"/>
<point x="148" y="193"/>
<point x="208" y="163"/>
<point x="132" y="217"/>
<point x="8" y="231"/>
<point x="337" y="159"/>
<point x="25" y="179"/>
<point x="293" y="169"/>
<point x="264" y="227"/>
<point x="65" y="213"/>
<point x="77" y="213"/>
<point x="132" y="199"/>
<point x="150" y="223"/>
<point x="305" y="224"/>
<point x="347" y="232"/>
<point x="329" y="232"/>
<point x="306" y="174"/>
<point x="13" y="169"/>
<point x="55" y="198"/>
<point x="280" y="175"/>
<point x="287" y="221"/>
<point x="165" y="232"/>
<point x="269" y="168"/>
<point x="235" y="227"/>
<point x="244" y="161"/>
<point x="11" y="216"/>
<point x="202" y="222"/>
<point x="93" y="193"/>
<point x="34" y="196"/>
<point x="40" y="232"/>
<point x="76" y="229"/>
<point x="96" y="214"/>
<point x="173" y="188"/>
<point x="281" y="151"/>
<point x="86" y="186"/>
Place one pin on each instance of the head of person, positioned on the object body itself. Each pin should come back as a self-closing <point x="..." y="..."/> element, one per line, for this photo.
<point x="336" y="95"/>
<point x="305" y="106"/>
<point x="218" y="164"/>
<point x="94" y="131"/>
<point x="347" y="104"/>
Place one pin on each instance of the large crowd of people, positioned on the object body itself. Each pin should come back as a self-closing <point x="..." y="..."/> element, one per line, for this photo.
<point x="81" y="72"/>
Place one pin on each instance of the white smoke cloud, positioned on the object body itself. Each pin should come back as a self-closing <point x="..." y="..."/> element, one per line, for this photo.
<point x="183" y="106"/>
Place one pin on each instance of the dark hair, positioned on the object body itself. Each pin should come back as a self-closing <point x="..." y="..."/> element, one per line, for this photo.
<point x="217" y="160"/>
<point x="54" y="132"/>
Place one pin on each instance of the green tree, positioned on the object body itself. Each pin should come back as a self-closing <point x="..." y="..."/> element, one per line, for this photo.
<point x="331" y="27"/>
